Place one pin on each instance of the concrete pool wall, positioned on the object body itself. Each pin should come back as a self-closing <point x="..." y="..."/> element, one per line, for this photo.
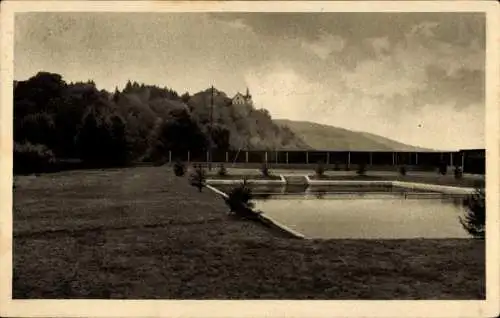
<point x="400" y="184"/>
<point x="310" y="182"/>
<point x="282" y="181"/>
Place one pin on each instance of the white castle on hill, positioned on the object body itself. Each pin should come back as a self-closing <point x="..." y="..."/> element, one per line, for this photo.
<point x="240" y="99"/>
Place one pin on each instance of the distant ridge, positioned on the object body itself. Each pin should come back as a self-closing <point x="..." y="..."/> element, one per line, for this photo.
<point x="325" y="137"/>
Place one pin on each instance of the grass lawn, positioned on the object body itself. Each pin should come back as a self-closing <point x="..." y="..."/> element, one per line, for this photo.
<point x="143" y="233"/>
<point x="447" y="180"/>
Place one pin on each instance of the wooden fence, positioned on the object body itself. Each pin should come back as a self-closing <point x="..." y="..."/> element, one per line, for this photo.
<point x="471" y="161"/>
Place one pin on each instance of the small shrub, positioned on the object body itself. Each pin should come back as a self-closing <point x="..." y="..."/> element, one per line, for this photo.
<point x="320" y="194"/>
<point x="198" y="178"/>
<point x="265" y="170"/>
<point x="443" y="168"/>
<point x="458" y="172"/>
<point x="222" y="171"/>
<point x="239" y="201"/>
<point x="402" y="170"/>
<point x="336" y="166"/>
<point x="361" y="170"/>
<point x="30" y="158"/>
<point x="179" y="169"/>
<point x="474" y="220"/>
<point x="320" y="169"/>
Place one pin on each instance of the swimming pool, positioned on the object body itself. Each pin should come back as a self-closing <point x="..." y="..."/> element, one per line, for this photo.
<point x="380" y="212"/>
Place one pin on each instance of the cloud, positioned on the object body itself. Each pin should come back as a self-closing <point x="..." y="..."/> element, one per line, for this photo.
<point x="285" y="93"/>
<point x="342" y="69"/>
<point x="326" y="44"/>
<point x="237" y="24"/>
<point x="424" y="29"/>
<point x="442" y="127"/>
<point x="381" y="45"/>
<point x="386" y="77"/>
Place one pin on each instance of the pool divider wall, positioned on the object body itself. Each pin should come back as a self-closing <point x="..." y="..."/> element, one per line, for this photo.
<point x="264" y="219"/>
<point x="282" y="181"/>
<point x="400" y="184"/>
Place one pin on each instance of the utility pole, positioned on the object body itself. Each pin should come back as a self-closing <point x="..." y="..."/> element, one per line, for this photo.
<point x="211" y="127"/>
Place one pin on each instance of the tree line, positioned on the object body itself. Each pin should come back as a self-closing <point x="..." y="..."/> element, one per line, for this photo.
<point x="58" y="121"/>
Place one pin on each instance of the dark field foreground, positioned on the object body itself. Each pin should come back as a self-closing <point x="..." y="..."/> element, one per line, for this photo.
<point x="143" y="233"/>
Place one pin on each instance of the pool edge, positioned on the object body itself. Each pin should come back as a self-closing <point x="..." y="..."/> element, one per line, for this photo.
<point x="282" y="181"/>
<point x="264" y="219"/>
<point x="402" y="184"/>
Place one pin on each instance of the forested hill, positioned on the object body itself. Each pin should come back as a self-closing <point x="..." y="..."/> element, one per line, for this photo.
<point x="323" y="137"/>
<point x="141" y="122"/>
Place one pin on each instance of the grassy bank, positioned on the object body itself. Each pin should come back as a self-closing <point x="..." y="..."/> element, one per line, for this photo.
<point x="143" y="233"/>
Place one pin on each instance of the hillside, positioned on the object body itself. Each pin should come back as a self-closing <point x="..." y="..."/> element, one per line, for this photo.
<point x="322" y="137"/>
<point x="54" y="119"/>
<point x="248" y="127"/>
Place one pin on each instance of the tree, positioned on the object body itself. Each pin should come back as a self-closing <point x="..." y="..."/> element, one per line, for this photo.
<point x="443" y="167"/>
<point x="32" y="158"/>
<point x="361" y="169"/>
<point x="116" y="95"/>
<point x="180" y="133"/>
<point x="185" y="97"/>
<point x="119" y="143"/>
<point x="402" y="170"/>
<point x="220" y="137"/>
<point x="239" y="201"/>
<point x="102" y="139"/>
<point x="37" y="128"/>
<point x="198" y="178"/>
<point x="128" y="87"/>
<point x="320" y="169"/>
<point x="222" y="172"/>
<point x="89" y="140"/>
<point x="179" y="168"/>
<point x="474" y="220"/>
<point x="39" y="90"/>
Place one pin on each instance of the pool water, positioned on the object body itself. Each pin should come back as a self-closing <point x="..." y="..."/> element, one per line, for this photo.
<point x="372" y="213"/>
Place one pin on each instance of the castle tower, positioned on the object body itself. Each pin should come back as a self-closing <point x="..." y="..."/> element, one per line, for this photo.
<point x="248" y="98"/>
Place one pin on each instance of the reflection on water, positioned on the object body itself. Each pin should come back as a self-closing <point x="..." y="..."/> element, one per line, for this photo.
<point x="362" y="211"/>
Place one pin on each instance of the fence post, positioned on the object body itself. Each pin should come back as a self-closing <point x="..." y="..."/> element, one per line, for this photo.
<point x="348" y="159"/>
<point x="246" y="156"/>
<point x="307" y="157"/>
<point x="327" y="158"/>
<point x="265" y="157"/>
<point x="371" y="160"/>
<point x="227" y="157"/>
<point x="189" y="156"/>
<point x="286" y="155"/>
<point x="393" y="159"/>
<point x="169" y="156"/>
<point x="451" y="159"/>
<point x="463" y="162"/>
<point x="416" y="158"/>
<point x="207" y="157"/>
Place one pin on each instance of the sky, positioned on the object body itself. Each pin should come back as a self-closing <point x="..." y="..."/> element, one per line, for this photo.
<point x="418" y="78"/>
